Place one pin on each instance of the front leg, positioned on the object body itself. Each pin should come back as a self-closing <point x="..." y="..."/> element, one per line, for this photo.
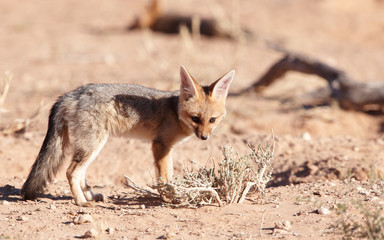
<point x="163" y="160"/>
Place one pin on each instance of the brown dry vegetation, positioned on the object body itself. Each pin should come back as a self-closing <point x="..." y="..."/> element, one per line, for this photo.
<point x="324" y="155"/>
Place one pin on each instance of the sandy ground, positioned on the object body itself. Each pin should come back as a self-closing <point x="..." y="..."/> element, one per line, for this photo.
<point x="324" y="156"/>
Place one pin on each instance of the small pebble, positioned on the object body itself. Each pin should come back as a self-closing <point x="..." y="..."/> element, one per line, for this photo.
<point x="4" y="202"/>
<point x="81" y="211"/>
<point x="374" y="199"/>
<point x="22" y="218"/>
<point x="323" y="210"/>
<point x="169" y="234"/>
<point x="307" y="136"/>
<point x="363" y="191"/>
<point x="82" y="219"/>
<point x="110" y="230"/>
<point x="284" y="225"/>
<point x="92" y="233"/>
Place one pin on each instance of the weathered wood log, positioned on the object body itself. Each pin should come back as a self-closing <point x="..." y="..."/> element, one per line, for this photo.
<point x="157" y="20"/>
<point x="171" y="24"/>
<point x="349" y="93"/>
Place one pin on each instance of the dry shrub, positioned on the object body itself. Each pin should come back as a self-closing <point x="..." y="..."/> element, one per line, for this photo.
<point x="370" y="227"/>
<point x="368" y="222"/>
<point x="235" y="177"/>
<point x="190" y="190"/>
<point x="20" y="125"/>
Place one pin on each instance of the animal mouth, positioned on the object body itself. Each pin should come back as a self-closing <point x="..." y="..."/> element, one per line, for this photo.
<point x="201" y="136"/>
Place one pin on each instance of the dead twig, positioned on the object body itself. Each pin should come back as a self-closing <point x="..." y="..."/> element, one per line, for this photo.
<point x="204" y="189"/>
<point x="261" y="223"/>
<point x="131" y="184"/>
<point x="4" y="89"/>
<point x="246" y="190"/>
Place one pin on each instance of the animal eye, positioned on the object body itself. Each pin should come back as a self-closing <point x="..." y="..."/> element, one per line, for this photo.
<point x="196" y="119"/>
<point x="212" y="119"/>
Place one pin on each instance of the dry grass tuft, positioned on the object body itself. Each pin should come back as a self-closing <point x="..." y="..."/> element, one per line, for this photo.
<point x="21" y="125"/>
<point x="371" y="227"/>
<point x="368" y="223"/>
<point x="4" y="89"/>
<point x="18" y="126"/>
<point x="235" y="177"/>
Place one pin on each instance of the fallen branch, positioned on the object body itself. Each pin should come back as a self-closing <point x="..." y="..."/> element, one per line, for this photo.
<point x="131" y="184"/>
<point x="203" y="189"/>
<point x="181" y="192"/>
<point x="349" y="93"/>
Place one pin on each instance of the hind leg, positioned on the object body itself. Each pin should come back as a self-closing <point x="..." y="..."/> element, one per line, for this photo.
<point x="87" y="190"/>
<point x="76" y="172"/>
<point x="73" y="176"/>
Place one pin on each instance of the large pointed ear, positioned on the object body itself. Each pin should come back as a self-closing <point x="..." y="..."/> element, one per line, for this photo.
<point x="219" y="89"/>
<point x="188" y="86"/>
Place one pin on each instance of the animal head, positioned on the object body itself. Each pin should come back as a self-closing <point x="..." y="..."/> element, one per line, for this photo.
<point x="201" y="108"/>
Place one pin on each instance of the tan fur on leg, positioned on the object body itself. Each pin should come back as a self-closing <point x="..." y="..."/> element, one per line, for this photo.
<point x="76" y="175"/>
<point x="163" y="161"/>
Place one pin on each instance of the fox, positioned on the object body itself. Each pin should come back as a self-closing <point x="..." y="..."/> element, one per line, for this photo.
<point x="85" y="117"/>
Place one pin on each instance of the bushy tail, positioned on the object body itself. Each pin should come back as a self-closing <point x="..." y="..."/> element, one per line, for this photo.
<point x="51" y="154"/>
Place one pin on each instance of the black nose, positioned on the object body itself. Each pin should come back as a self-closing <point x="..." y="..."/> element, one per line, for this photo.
<point x="204" y="137"/>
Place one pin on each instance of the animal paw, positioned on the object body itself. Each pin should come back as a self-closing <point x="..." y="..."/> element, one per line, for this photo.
<point x="98" y="197"/>
<point x="85" y="204"/>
